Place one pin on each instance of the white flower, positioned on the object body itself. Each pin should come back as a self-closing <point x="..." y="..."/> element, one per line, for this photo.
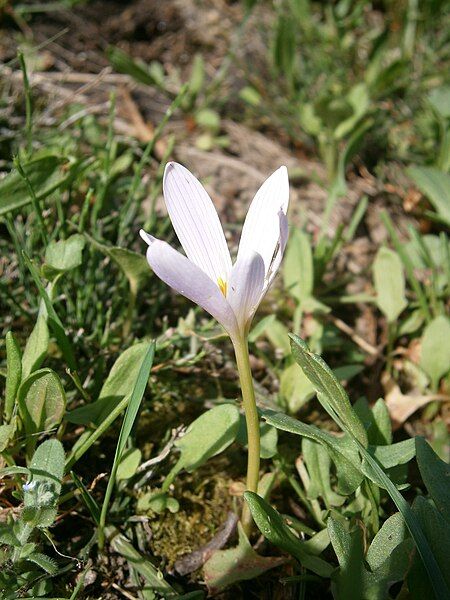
<point x="231" y="293"/>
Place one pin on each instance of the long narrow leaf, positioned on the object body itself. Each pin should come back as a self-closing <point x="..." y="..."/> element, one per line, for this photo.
<point x="128" y="421"/>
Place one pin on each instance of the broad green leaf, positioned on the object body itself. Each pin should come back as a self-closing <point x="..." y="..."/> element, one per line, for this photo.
<point x="129" y="463"/>
<point x="436" y="476"/>
<point x="391" y="534"/>
<point x="272" y="526"/>
<point x="389" y="281"/>
<point x="208" y="435"/>
<point x="13" y="373"/>
<point x="377" y="421"/>
<point x="349" y="551"/>
<point x="226" y="567"/>
<point x="46" y="174"/>
<point x="36" y="347"/>
<point x="298" y="268"/>
<point x="268" y="437"/>
<point x="435" y="185"/>
<point x="394" y="454"/>
<point x="295" y="387"/>
<point x="47" y="469"/>
<point x="118" y="384"/>
<point x="63" y="255"/>
<point x="331" y="394"/>
<point x="42" y="401"/>
<point x="435" y="351"/>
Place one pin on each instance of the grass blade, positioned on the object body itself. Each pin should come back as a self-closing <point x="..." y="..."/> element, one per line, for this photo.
<point x="128" y="421"/>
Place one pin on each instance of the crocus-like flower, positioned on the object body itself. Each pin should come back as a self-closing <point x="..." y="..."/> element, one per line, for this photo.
<point x="230" y="292"/>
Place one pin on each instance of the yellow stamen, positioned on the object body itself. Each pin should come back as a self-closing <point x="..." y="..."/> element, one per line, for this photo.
<point x="222" y="286"/>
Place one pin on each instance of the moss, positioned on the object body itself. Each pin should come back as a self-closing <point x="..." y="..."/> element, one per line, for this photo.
<point x="205" y="501"/>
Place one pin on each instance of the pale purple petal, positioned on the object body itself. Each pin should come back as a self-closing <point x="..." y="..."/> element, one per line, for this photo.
<point x="261" y="231"/>
<point x="196" y="222"/>
<point x="188" y="279"/>
<point x="284" y="232"/>
<point x="245" y="288"/>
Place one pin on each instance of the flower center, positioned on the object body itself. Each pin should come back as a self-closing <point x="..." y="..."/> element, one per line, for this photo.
<point x="222" y="286"/>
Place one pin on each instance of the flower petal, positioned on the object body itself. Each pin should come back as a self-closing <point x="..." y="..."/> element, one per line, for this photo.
<point x="196" y="222"/>
<point x="284" y="232"/>
<point x="261" y="231"/>
<point x="186" y="278"/>
<point x="245" y="288"/>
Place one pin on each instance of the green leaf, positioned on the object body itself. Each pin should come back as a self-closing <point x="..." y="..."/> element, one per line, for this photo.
<point x="137" y="394"/>
<point x="52" y="318"/>
<point x="435" y="351"/>
<point x="394" y="454"/>
<point x="36" y="347"/>
<point x="437" y="533"/>
<point x="133" y="265"/>
<point x="47" y="468"/>
<point x="295" y="387"/>
<point x="49" y="565"/>
<point x="154" y="579"/>
<point x="298" y="267"/>
<point x="118" y="384"/>
<point x="63" y="255"/>
<point x="435" y="185"/>
<point x="7" y="433"/>
<point x="349" y="551"/>
<point x="226" y="567"/>
<point x="271" y="525"/>
<point x="129" y="463"/>
<point x="436" y="476"/>
<point x="278" y="336"/>
<point x="208" y="435"/>
<point x="13" y="373"/>
<point x="391" y="534"/>
<point x="320" y="377"/>
<point x="268" y="437"/>
<point x="331" y="394"/>
<point x="87" y="497"/>
<point x="342" y="451"/>
<point x="137" y="69"/>
<point x="389" y="281"/>
<point x="318" y="463"/>
<point x="45" y="174"/>
<point x="377" y="421"/>
<point x="42" y="401"/>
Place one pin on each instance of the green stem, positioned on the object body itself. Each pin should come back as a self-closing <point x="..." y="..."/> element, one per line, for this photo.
<point x="251" y="416"/>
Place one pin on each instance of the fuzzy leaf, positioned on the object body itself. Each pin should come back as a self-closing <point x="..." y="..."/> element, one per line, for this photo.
<point x="42" y="401"/>
<point x="208" y="435"/>
<point x="36" y="347"/>
<point x="13" y="373"/>
<point x="389" y="280"/>
<point x="435" y="352"/>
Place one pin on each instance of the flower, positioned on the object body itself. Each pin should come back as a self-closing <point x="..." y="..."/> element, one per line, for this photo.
<point x="229" y="292"/>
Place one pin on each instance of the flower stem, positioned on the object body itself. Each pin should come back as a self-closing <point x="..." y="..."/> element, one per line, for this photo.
<point x="251" y="416"/>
